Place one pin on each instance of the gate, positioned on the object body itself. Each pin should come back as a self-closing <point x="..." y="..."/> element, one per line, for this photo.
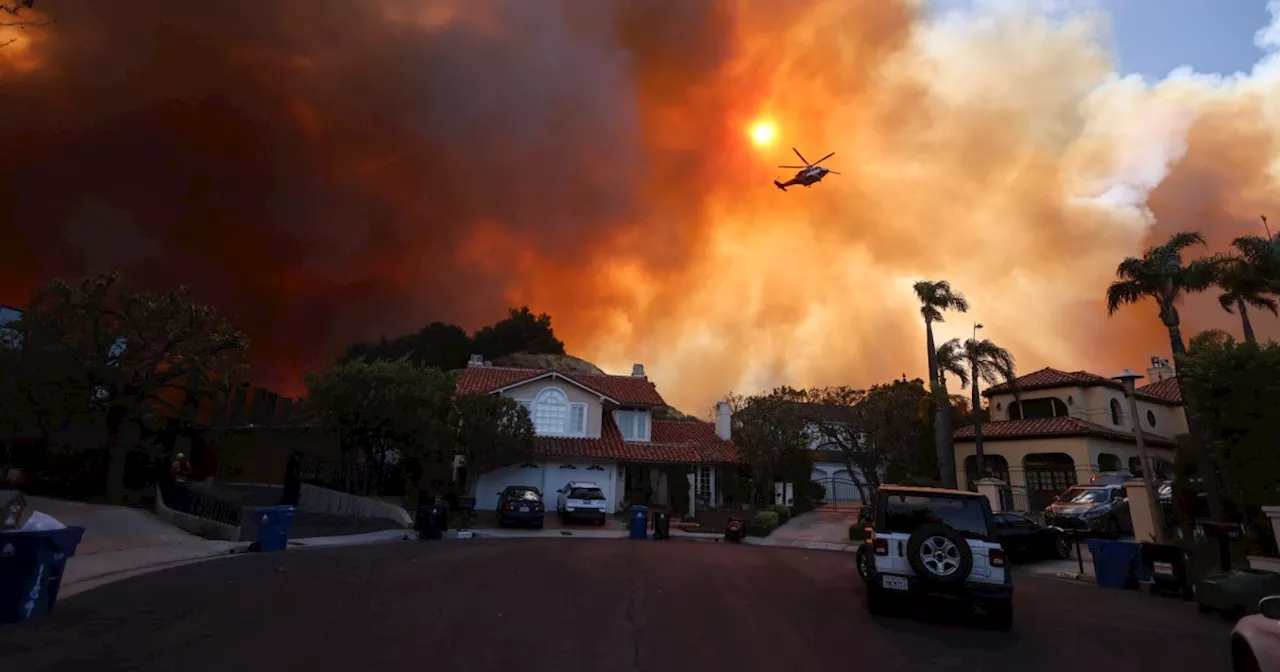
<point x="841" y="493"/>
<point x="1044" y="483"/>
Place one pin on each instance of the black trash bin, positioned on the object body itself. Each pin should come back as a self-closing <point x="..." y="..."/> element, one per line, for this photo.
<point x="735" y="530"/>
<point x="662" y="525"/>
<point x="1169" y="568"/>
<point x="430" y="522"/>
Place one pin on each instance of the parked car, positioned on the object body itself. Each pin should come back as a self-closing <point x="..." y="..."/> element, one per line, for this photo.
<point x="520" y="505"/>
<point x="931" y="543"/>
<point x="1112" y="478"/>
<point x="582" y="500"/>
<point x="1255" y="642"/>
<point x="1025" y="539"/>
<point x="1102" y="510"/>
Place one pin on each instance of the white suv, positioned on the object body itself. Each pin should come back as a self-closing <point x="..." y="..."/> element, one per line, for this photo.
<point x="930" y="542"/>
<point x="582" y="500"/>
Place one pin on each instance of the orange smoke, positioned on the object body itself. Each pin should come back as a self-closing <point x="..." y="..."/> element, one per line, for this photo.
<point x="346" y="171"/>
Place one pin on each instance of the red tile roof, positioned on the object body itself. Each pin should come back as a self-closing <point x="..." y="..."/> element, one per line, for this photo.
<point x="1060" y="427"/>
<point x="1047" y="379"/>
<point x="674" y="441"/>
<point x="627" y="390"/>
<point x="1166" y="389"/>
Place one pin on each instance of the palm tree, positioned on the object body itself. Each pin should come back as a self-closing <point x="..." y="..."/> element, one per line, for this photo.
<point x="1244" y="283"/>
<point x="936" y="297"/>
<point x="1161" y="275"/>
<point x="984" y="361"/>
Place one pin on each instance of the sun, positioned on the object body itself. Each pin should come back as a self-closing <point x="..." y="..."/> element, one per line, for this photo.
<point x="762" y="133"/>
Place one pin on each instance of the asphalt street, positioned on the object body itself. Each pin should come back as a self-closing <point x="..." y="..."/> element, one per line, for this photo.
<point x="583" y="606"/>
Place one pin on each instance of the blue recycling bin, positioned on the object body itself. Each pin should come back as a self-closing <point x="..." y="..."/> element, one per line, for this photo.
<point x="639" y="522"/>
<point x="31" y="566"/>
<point x="273" y="527"/>
<point x="1116" y="564"/>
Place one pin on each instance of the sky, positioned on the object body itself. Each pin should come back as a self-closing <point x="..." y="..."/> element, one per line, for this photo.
<point x="325" y="171"/>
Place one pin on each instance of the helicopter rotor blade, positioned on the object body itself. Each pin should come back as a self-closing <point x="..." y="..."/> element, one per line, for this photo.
<point x="824" y="158"/>
<point x="806" y="161"/>
<point x="796" y="167"/>
<point x="833" y="172"/>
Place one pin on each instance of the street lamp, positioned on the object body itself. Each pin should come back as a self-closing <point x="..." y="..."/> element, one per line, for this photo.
<point x="971" y="351"/>
<point x="1127" y="379"/>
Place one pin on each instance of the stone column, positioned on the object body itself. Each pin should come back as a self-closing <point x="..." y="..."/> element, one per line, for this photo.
<point x="990" y="488"/>
<point x="1144" y="519"/>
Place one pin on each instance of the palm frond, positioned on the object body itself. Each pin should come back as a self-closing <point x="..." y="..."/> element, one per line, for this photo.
<point x="1123" y="293"/>
<point x="1263" y="302"/>
<point x="1228" y="302"/>
<point x="951" y="359"/>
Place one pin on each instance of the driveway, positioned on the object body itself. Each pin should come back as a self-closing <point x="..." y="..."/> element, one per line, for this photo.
<point x="826" y="527"/>
<point x="111" y="528"/>
<point x="604" y="606"/>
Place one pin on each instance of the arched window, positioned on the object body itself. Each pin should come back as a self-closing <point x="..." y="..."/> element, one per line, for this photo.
<point x="551" y="412"/>
<point x="1116" y="414"/>
<point x="1151" y="418"/>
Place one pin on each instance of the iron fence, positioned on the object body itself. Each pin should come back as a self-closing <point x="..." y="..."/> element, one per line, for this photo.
<point x="181" y="498"/>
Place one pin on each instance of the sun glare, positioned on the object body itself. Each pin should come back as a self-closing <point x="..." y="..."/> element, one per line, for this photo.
<point x="762" y="133"/>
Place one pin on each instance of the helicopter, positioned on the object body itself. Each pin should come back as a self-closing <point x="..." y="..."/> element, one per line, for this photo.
<point x="809" y="172"/>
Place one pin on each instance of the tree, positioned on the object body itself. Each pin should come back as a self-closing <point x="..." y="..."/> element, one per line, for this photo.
<point x="15" y="9"/>
<point x="1162" y="276"/>
<point x="767" y="430"/>
<point x="494" y="431"/>
<point x="1246" y="279"/>
<point x="390" y="412"/>
<point x="1236" y="388"/>
<point x="447" y="346"/>
<point x="880" y="432"/>
<point x="521" y="331"/>
<point x="834" y="418"/>
<point x="978" y="361"/>
<point x="96" y="349"/>
<point x="935" y="298"/>
<point x="440" y="345"/>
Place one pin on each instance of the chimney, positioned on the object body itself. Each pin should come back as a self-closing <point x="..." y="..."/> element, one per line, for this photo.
<point x="476" y="360"/>
<point x="724" y="417"/>
<point x="637" y="370"/>
<point x="1160" y="370"/>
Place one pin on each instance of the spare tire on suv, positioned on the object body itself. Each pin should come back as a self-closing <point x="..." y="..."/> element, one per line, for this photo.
<point x="939" y="555"/>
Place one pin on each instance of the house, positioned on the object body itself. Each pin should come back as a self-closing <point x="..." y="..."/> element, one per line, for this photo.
<point x="601" y="428"/>
<point x="1064" y="426"/>
<point x="840" y="485"/>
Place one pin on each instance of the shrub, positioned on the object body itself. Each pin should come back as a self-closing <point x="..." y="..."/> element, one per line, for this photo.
<point x="763" y="524"/>
<point x="784" y="514"/>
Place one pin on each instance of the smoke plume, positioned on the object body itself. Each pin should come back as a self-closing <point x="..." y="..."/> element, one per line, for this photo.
<point x="327" y="171"/>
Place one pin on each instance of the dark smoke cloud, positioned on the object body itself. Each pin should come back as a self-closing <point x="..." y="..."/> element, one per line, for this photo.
<point x="333" y="170"/>
<point x="312" y="166"/>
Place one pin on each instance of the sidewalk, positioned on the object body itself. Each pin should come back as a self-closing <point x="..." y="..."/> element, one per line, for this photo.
<point x="85" y="572"/>
<point x="1068" y="569"/>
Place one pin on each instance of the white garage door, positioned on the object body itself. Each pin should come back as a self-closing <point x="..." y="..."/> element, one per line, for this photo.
<point x="489" y="485"/>
<point x="561" y="473"/>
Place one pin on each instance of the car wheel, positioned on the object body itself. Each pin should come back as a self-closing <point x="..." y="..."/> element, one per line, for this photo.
<point x="939" y="555"/>
<point x="1062" y="547"/>
<point x="600" y="523"/>
<point x="1000" y="615"/>
<point x="864" y="567"/>
<point x="537" y="525"/>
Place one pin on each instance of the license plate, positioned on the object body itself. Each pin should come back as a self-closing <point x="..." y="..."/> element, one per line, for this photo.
<point x="1163" y="568"/>
<point x="894" y="582"/>
<point x="524" y="509"/>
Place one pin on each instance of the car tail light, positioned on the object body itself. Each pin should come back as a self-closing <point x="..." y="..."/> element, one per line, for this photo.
<point x="881" y="546"/>
<point x="509" y="507"/>
<point x="997" y="557"/>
